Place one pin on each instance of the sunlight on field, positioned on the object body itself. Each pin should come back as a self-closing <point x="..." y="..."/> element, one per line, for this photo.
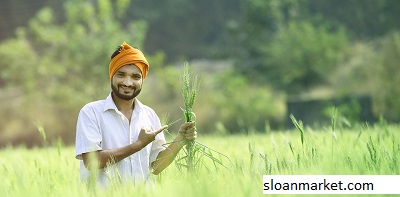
<point x="53" y="171"/>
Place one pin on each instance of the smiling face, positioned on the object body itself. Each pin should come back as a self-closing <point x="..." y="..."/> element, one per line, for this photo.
<point x="127" y="82"/>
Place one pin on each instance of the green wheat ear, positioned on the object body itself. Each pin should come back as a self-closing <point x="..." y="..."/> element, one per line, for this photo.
<point x="42" y="132"/>
<point x="333" y="126"/>
<point x="189" y="93"/>
<point x="299" y="127"/>
<point x="194" y="152"/>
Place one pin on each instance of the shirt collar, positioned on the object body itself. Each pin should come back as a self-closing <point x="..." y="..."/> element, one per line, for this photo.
<point x="109" y="104"/>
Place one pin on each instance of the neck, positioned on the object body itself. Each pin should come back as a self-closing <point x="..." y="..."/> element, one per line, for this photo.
<point x="123" y="105"/>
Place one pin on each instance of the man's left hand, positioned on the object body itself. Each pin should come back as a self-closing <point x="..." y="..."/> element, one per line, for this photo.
<point x="188" y="131"/>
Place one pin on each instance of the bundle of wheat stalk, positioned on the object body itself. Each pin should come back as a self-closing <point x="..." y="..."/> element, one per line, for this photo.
<point x="194" y="151"/>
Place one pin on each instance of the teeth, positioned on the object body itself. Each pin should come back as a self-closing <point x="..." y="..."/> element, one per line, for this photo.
<point x="126" y="89"/>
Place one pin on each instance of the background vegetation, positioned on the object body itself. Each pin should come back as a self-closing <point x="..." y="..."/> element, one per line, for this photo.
<point x="50" y="171"/>
<point x="252" y="56"/>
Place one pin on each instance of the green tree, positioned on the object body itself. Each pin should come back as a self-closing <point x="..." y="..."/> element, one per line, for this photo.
<point x="362" y="18"/>
<point x="188" y="29"/>
<point x="261" y="19"/>
<point x="242" y="107"/>
<point x="388" y="93"/>
<point x="277" y="45"/>
<point x="301" y="56"/>
<point x="59" y="67"/>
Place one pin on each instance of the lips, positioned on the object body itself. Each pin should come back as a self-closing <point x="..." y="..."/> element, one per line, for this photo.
<point x="126" y="89"/>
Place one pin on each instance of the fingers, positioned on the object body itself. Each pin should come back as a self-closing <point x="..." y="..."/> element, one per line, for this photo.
<point x="148" y="131"/>
<point x="187" y="126"/>
<point x="160" y="129"/>
<point x="188" y="131"/>
<point x="191" y="134"/>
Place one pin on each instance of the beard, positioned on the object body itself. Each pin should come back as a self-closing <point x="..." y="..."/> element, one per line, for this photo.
<point x="123" y="96"/>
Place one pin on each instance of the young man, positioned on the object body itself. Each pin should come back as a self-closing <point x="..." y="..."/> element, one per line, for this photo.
<point x="119" y="137"/>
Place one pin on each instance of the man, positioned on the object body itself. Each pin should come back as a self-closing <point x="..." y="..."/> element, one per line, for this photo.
<point x="119" y="137"/>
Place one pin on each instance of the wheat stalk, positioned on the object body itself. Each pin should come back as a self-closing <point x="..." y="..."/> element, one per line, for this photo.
<point x="189" y="93"/>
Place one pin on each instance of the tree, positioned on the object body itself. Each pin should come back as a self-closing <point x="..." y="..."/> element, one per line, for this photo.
<point x="59" y="67"/>
<point x="388" y="94"/>
<point x="363" y="19"/>
<point x="280" y="47"/>
<point x="188" y="29"/>
<point x="301" y="56"/>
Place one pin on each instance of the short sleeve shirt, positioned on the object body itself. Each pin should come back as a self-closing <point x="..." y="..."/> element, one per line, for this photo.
<point x="102" y="126"/>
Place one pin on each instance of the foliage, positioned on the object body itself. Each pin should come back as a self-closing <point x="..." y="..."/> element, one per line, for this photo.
<point x="201" y="29"/>
<point x="301" y="56"/>
<point x="281" y="45"/>
<point x="197" y="29"/>
<point x="29" y="172"/>
<point x="229" y="103"/>
<point x="64" y="65"/>
<point x="370" y="68"/>
<point x="241" y="106"/>
<point x="57" y="60"/>
<point x="367" y="20"/>
<point x="389" y="74"/>
<point x="256" y="29"/>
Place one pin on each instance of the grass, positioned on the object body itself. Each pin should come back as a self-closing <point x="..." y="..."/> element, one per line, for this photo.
<point x="53" y="170"/>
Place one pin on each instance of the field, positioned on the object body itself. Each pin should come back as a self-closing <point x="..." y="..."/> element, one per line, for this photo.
<point x="53" y="171"/>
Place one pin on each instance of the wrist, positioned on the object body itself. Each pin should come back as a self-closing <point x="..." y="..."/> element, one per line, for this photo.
<point x="138" y="145"/>
<point x="179" y="140"/>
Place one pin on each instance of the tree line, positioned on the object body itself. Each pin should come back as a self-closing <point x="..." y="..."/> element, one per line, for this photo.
<point x="54" y="54"/>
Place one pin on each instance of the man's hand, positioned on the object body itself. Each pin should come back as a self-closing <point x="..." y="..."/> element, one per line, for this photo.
<point x="146" y="136"/>
<point x="188" y="131"/>
<point x="104" y="157"/>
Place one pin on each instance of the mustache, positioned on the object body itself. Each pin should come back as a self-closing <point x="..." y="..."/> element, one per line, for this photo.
<point x="125" y="86"/>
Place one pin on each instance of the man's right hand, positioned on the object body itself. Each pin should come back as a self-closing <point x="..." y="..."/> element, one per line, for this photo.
<point x="146" y="135"/>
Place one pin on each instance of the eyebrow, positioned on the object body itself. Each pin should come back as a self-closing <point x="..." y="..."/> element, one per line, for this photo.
<point x="133" y="74"/>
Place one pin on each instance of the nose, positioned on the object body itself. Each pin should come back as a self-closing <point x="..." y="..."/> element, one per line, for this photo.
<point x="128" y="81"/>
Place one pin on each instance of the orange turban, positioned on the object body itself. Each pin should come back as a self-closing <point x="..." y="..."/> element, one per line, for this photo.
<point x="129" y="55"/>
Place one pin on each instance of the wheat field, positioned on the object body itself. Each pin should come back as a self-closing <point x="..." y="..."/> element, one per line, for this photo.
<point x="52" y="170"/>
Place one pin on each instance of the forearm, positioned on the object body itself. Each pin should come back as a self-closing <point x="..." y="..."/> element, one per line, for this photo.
<point x="165" y="157"/>
<point x="110" y="156"/>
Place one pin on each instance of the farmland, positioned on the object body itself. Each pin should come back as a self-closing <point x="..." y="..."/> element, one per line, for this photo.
<point x="52" y="170"/>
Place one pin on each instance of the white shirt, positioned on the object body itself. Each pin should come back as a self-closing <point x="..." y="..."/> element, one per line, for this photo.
<point x="102" y="126"/>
